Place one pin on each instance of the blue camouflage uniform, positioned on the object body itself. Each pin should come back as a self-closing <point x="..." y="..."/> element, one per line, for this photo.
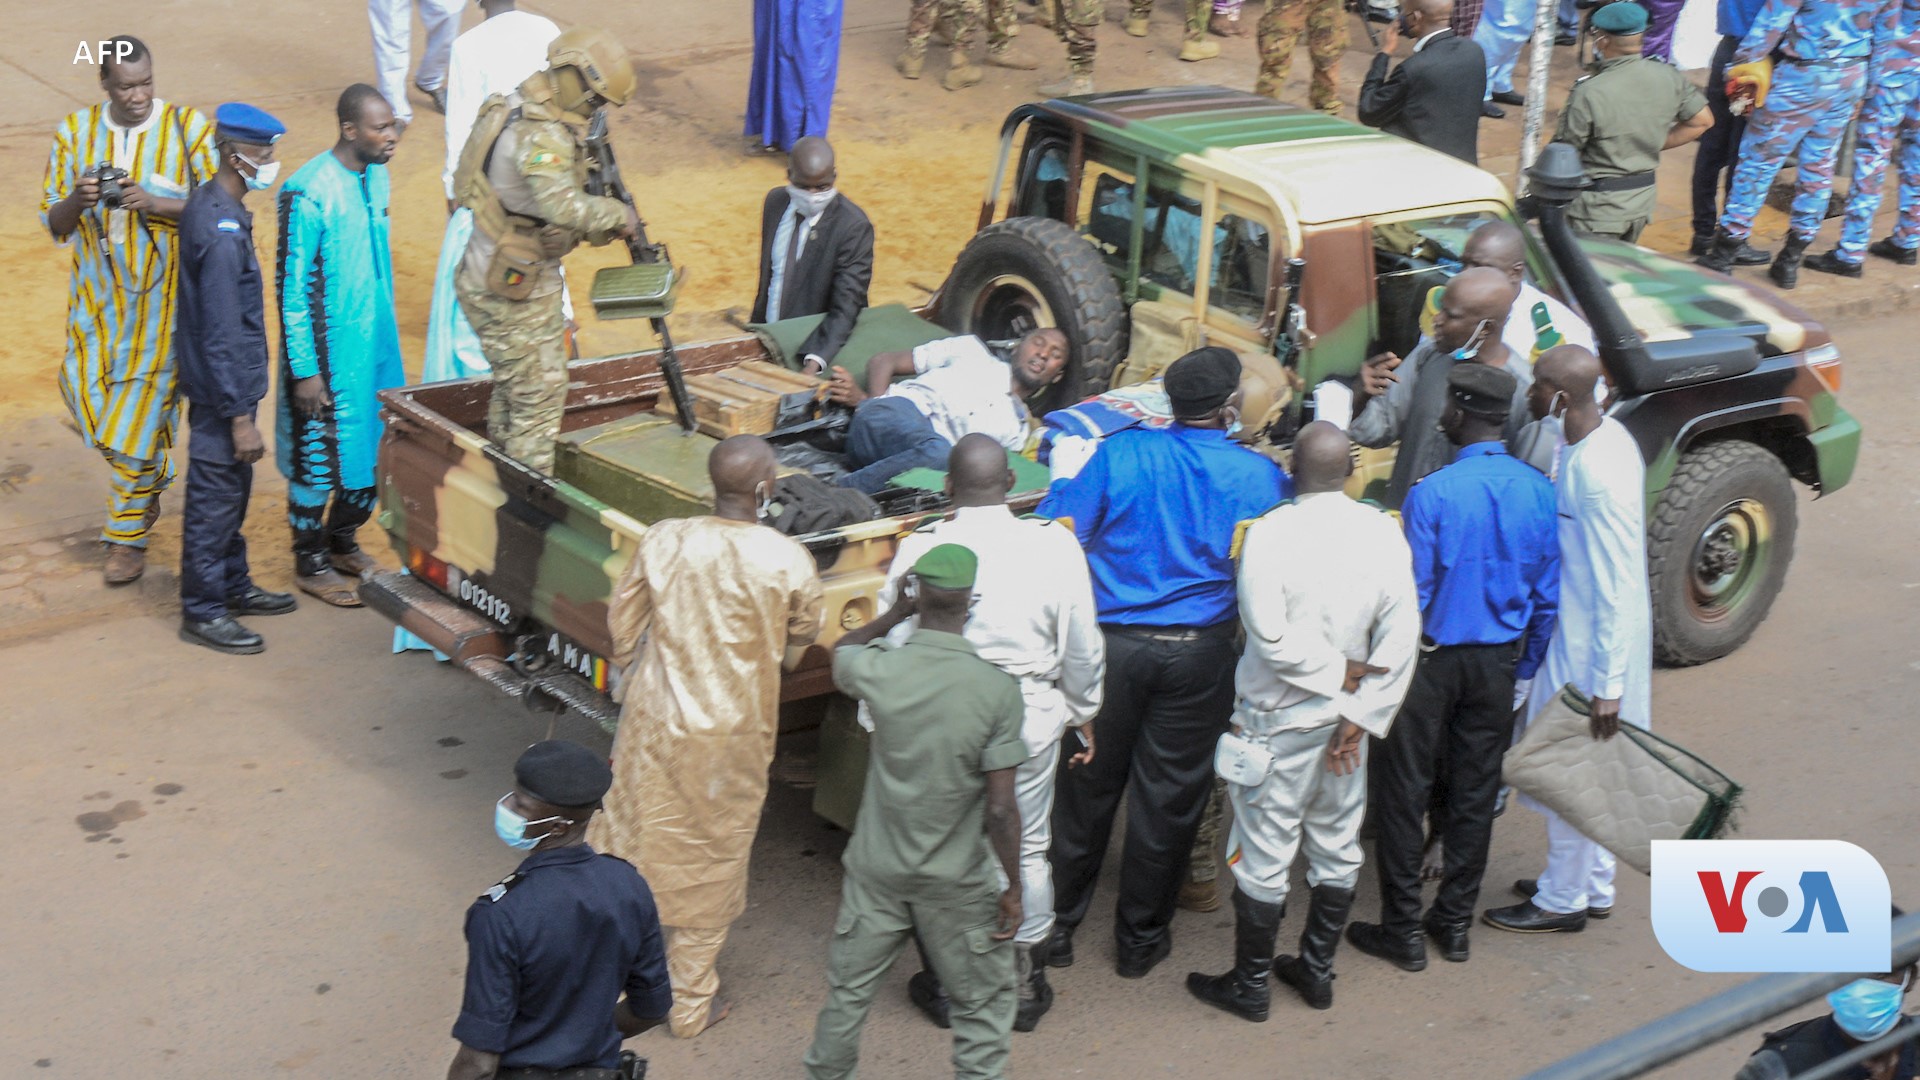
<point x="1890" y="117"/>
<point x="335" y="282"/>
<point x="1820" y="50"/>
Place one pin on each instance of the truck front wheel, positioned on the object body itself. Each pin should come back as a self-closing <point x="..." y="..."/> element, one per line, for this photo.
<point x="1718" y="546"/>
<point x="1024" y="273"/>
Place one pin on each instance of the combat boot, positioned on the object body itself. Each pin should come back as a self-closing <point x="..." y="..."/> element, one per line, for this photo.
<point x="1006" y="56"/>
<point x="1137" y="26"/>
<point x="1311" y="973"/>
<point x="1195" y="51"/>
<point x="911" y="62"/>
<point x="1785" y="270"/>
<point x="1074" y="85"/>
<point x="1244" y="991"/>
<point x="1036" y="996"/>
<point x="1885" y="248"/>
<point x="962" y="73"/>
<point x="1723" y="252"/>
<point x="1830" y="262"/>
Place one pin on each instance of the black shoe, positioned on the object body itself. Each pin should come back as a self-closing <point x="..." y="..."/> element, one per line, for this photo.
<point x="1830" y="262"/>
<point x="1135" y="963"/>
<point x="1508" y="97"/>
<point x="1785" y="270"/>
<point x="1701" y="244"/>
<point x="1524" y="918"/>
<point x="1723" y="252"/>
<point x="1311" y="973"/>
<point x="1060" y="946"/>
<point x="925" y="991"/>
<point x="223" y="635"/>
<point x="1491" y="111"/>
<point x="1406" y="952"/>
<point x="1244" y="991"/>
<point x="1565" y="39"/>
<point x="1748" y="255"/>
<point x="1886" y="249"/>
<point x="258" y="601"/>
<point x="1527" y="887"/>
<point x="1036" y="996"/>
<point x="1450" y="937"/>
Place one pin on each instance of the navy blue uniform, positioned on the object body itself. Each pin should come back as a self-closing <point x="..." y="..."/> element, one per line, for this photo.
<point x="220" y="350"/>
<point x="1818" y="1041"/>
<point x="548" y="952"/>
<point x="1486" y="560"/>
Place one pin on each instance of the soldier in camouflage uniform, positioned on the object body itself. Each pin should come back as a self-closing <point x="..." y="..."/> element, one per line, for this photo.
<point x="1076" y="21"/>
<point x="526" y="186"/>
<point x="1325" y="24"/>
<point x="1890" y="117"/>
<point x="1195" y="46"/>
<point x="961" y="19"/>
<point x="1820" y="48"/>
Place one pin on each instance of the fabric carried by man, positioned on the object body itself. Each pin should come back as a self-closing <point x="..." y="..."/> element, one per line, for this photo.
<point x="700" y="621"/>
<point x="118" y="375"/>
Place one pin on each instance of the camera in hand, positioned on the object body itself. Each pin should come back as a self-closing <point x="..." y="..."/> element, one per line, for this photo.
<point x="111" y="179"/>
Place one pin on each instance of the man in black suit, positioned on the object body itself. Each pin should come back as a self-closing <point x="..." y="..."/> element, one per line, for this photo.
<point x="1434" y="97"/>
<point x="816" y="253"/>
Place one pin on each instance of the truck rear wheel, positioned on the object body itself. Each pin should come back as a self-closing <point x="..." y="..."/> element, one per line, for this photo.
<point x="1024" y="273"/>
<point x="1717" y="550"/>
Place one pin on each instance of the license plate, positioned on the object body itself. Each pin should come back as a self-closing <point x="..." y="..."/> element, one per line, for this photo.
<point x="478" y="597"/>
<point x="563" y="650"/>
<point x="571" y="656"/>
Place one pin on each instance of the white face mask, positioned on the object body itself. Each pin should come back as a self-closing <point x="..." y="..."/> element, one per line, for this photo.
<point x="810" y="203"/>
<point x="263" y="175"/>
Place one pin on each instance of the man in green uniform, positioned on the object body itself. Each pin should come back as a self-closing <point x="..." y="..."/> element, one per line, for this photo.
<point x="1325" y="24"/>
<point x="1620" y="117"/>
<point x="523" y="174"/>
<point x="938" y="810"/>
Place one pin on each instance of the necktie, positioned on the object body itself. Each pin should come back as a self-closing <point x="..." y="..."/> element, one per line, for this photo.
<point x="793" y="255"/>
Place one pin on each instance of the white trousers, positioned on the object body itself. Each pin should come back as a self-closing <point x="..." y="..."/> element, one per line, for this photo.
<point x="1300" y="804"/>
<point x="392" y="22"/>
<point x="1504" y="26"/>
<point x="1033" y="793"/>
<point x="1579" y="872"/>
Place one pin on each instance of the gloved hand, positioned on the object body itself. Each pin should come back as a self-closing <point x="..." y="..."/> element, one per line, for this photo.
<point x="1748" y="83"/>
<point x="1521" y="688"/>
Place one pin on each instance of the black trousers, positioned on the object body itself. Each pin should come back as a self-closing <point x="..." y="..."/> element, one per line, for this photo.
<point x="213" y="553"/>
<point x="1458" y="715"/>
<point x="1166" y="704"/>
<point x="1719" y="148"/>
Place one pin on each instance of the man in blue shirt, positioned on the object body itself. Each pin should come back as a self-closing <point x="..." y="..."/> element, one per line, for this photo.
<point x="220" y="349"/>
<point x="553" y="945"/>
<point x="1156" y="511"/>
<point x="1486" y="561"/>
<point x="1713" y="161"/>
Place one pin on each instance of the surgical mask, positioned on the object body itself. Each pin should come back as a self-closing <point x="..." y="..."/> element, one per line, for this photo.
<point x="511" y="828"/>
<point x="263" y="175"/>
<point x="1868" y="1008"/>
<point x="810" y="203"/>
<point x="1471" y="348"/>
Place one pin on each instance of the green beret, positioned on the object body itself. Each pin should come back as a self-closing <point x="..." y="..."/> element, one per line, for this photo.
<point x="948" y="566"/>
<point x="1622" y="17"/>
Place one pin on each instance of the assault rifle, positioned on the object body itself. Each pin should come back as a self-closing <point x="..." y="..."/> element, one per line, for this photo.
<point x="646" y="288"/>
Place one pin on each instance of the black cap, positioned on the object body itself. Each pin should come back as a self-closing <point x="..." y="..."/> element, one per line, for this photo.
<point x="1202" y="381"/>
<point x="563" y="773"/>
<point x="1481" y="390"/>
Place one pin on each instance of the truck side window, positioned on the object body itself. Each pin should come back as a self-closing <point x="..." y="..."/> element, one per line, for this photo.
<point x="1044" y="190"/>
<point x="1409" y="259"/>
<point x="1169" y="234"/>
<point x="1242" y="255"/>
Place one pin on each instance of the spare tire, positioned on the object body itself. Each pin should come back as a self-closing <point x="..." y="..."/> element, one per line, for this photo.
<point x="1024" y="273"/>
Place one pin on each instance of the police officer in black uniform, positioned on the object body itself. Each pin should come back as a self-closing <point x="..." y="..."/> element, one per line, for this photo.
<point x="1864" y="1010"/>
<point x="551" y="947"/>
<point x="220" y="350"/>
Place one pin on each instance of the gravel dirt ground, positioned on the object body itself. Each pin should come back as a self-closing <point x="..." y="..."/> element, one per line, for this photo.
<point x="255" y="865"/>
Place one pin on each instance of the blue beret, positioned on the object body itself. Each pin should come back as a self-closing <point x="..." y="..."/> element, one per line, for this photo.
<point x="1623" y="17"/>
<point x="247" y="124"/>
<point x="563" y="773"/>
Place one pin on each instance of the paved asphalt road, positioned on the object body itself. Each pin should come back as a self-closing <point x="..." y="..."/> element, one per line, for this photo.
<point x="228" y="866"/>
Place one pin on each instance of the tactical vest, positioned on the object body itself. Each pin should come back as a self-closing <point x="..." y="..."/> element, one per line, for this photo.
<point x="523" y="243"/>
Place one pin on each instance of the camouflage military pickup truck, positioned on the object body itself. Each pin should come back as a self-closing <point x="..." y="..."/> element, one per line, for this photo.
<point x="1144" y="224"/>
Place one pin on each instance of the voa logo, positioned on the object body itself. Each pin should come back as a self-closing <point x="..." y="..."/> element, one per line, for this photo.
<point x="1771" y="905"/>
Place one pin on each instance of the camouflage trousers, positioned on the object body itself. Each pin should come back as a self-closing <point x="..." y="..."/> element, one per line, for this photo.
<point x="1075" y="22"/>
<point x="1890" y="119"/>
<point x="1805" y="116"/>
<point x="1198" y="13"/>
<point x="963" y="19"/>
<point x="1325" y="24"/>
<point x="525" y="345"/>
<point x="1204" y="864"/>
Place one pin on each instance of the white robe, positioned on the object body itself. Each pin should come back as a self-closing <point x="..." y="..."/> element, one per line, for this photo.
<point x="1603" y="638"/>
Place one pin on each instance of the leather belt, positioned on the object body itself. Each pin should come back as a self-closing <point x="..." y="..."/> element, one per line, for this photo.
<point x="1835" y="62"/>
<point x="1629" y="182"/>
<point x="583" y="1072"/>
<point x="1172" y="633"/>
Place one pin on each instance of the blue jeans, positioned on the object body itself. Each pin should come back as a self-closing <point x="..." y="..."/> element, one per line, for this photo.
<point x="888" y="436"/>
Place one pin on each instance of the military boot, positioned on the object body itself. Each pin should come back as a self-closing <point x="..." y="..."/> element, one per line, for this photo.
<point x="1136" y="26"/>
<point x="912" y="61"/>
<point x="1830" y="262"/>
<point x="1195" y="51"/>
<point x="1785" y="270"/>
<point x="962" y="73"/>
<point x="1311" y="973"/>
<point x="1244" y="991"/>
<point x="1885" y="248"/>
<point x="1036" y="996"/>
<point x="1074" y="85"/>
<point x="1724" y="252"/>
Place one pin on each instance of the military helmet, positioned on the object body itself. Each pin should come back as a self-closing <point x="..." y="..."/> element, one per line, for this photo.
<point x="599" y="58"/>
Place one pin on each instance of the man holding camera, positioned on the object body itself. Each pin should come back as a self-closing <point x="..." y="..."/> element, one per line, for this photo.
<point x="116" y="181"/>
